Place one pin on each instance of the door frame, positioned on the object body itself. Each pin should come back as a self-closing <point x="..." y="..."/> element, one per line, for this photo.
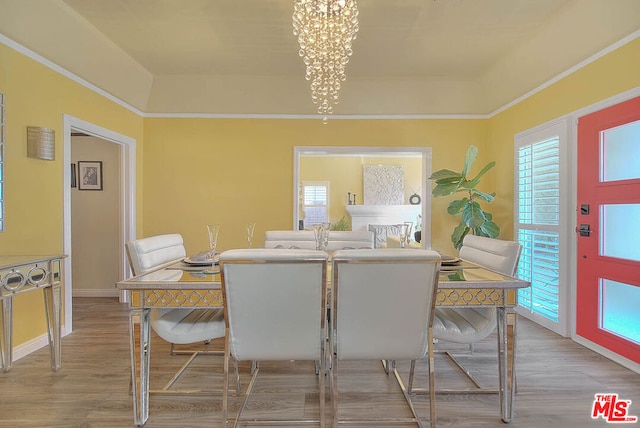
<point x="127" y="202"/>
<point x="624" y="96"/>
<point x="561" y="128"/>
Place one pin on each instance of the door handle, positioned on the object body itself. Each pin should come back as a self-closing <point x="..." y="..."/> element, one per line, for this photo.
<point x="584" y="230"/>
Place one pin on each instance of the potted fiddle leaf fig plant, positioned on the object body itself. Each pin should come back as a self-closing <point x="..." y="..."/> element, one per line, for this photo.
<point x="473" y="219"/>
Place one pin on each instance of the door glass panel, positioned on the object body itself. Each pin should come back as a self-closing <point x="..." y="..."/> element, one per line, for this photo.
<point x="619" y="310"/>
<point x="620" y="148"/>
<point x="620" y="231"/>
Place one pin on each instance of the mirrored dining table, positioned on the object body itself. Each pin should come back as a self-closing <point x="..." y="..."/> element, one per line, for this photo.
<point x="177" y="284"/>
<point x="464" y="284"/>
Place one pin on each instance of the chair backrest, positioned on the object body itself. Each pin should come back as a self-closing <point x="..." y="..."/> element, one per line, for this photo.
<point x="305" y="239"/>
<point x="302" y="239"/>
<point x="339" y="240"/>
<point x="383" y="302"/>
<point x="275" y="303"/>
<point x="146" y="254"/>
<point x="495" y="254"/>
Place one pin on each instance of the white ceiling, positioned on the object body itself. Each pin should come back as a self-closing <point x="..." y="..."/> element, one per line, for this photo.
<point x="399" y="39"/>
<point x="240" y="56"/>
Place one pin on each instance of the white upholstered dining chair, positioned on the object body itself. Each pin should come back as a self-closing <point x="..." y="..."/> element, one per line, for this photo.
<point x="470" y="325"/>
<point x="382" y="309"/>
<point x="175" y="325"/>
<point x="349" y="239"/>
<point x="305" y="239"/>
<point x="275" y="308"/>
<point x="298" y="239"/>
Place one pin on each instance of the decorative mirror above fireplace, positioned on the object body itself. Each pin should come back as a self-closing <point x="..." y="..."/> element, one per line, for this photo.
<point x="344" y="172"/>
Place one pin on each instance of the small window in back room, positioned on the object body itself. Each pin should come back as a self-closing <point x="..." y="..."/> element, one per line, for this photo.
<point x="316" y="203"/>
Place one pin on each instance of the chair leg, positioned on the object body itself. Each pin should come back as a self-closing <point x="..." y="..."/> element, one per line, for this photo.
<point x="254" y="376"/>
<point x="463" y="369"/>
<point x="476" y="389"/>
<point x="405" y="394"/>
<point x="225" y="382"/>
<point x="334" y="391"/>
<point x="225" y="388"/>
<point x="411" y="374"/>
<point x="432" y="382"/>
<point x="180" y="372"/>
<point x="385" y="366"/>
<point x="321" y="378"/>
<point x="235" y="366"/>
<point x="166" y="388"/>
<point x="391" y="366"/>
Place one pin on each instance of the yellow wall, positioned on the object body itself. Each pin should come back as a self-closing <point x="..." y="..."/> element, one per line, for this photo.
<point x="610" y="75"/>
<point x="195" y="171"/>
<point x="231" y="171"/>
<point x="37" y="96"/>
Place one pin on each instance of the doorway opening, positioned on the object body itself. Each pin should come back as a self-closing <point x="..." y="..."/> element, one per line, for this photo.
<point x="127" y="210"/>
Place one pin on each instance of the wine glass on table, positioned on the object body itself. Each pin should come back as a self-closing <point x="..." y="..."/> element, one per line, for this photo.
<point x="403" y="235"/>
<point x="213" y="230"/>
<point x="250" y="228"/>
<point x="318" y="235"/>
<point x="408" y="231"/>
<point x="325" y="235"/>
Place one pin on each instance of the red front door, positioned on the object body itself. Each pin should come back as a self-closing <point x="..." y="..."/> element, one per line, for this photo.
<point x="608" y="289"/>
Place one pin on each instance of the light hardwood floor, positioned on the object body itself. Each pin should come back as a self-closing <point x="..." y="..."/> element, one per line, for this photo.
<point x="557" y="380"/>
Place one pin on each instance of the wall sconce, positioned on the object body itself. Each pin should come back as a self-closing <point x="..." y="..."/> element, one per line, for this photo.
<point x="41" y="143"/>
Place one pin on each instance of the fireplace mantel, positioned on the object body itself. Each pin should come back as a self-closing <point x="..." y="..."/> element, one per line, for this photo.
<point x="364" y="215"/>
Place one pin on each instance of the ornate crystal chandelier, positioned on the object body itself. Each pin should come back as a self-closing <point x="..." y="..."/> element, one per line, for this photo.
<point x="325" y="30"/>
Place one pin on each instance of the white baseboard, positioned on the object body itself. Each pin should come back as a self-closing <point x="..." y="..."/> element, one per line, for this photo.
<point x="41" y="341"/>
<point x="631" y="365"/>
<point x="33" y="345"/>
<point x="103" y="292"/>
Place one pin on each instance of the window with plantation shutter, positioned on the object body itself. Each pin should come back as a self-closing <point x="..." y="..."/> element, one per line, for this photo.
<point x="315" y="197"/>
<point x="538" y="225"/>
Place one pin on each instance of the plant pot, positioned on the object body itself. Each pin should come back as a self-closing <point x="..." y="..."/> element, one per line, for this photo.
<point x="417" y="235"/>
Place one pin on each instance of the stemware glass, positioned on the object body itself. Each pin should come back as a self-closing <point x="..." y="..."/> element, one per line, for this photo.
<point x="250" y="228"/>
<point x="325" y="235"/>
<point x="408" y="231"/>
<point x="403" y="234"/>
<point x="213" y="230"/>
<point x="317" y="234"/>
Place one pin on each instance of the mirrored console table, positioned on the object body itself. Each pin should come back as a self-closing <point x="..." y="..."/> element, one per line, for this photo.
<point x="21" y="274"/>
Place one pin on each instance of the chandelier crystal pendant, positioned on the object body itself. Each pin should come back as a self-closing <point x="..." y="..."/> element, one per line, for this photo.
<point x="325" y="31"/>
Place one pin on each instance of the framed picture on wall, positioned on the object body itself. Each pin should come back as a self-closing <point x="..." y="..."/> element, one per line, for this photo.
<point x="89" y="175"/>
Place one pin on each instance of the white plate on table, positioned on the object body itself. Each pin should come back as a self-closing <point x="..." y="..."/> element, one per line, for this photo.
<point x="206" y="262"/>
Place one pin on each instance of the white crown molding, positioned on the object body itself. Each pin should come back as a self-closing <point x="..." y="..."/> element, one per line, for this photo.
<point x="53" y="66"/>
<point x="570" y="71"/>
<point x="38" y="58"/>
<point x="313" y="116"/>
